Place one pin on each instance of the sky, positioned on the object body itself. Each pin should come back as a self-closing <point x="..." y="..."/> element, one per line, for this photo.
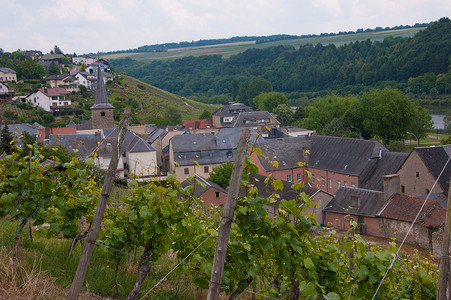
<point x="91" y="26"/>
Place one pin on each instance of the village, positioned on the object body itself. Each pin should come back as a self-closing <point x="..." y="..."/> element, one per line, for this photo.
<point x="349" y="179"/>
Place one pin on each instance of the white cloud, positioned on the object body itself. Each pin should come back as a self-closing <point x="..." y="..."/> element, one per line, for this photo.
<point x="80" y="10"/>
<point x="333" y="6"/>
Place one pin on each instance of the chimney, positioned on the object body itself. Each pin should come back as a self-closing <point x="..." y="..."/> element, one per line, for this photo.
<point x="392" y="185"/>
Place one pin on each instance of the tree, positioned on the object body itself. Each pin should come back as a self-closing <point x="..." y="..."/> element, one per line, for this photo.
<point x="335" y="128"/>
<point x="422" y="123"/>
<point x="57" y="50"/>
<point x="284" y="114"/>
<point x="173" y="116"/>
<point x="251" y="88"/>
<point x="221" y="174"/>
<point x="269" y="100"/>
<point x="53" y="70"/>
<point x="205" y="115"/>
<point x="388" y="113"/>
<point x="6" y="139"/>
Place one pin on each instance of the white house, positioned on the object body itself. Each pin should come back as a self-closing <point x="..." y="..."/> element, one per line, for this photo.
<point x="86" y="79"/>
<point x="78" y="60"/>
<point x="50" y="99"/>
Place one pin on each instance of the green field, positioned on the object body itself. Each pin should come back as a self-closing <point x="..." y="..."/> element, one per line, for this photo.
<point x="226" y="50"/>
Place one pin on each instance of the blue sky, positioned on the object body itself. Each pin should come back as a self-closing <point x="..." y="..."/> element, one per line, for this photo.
<point x="84" y="26"/>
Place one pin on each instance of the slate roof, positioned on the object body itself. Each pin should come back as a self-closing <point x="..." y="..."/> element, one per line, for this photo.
<point x="266" y="189"/>
<point x="231" y="109"/>
<point x="405" y="208"/>
<point x="373" y="175"/>
<point x="16" y="130"/>
<point x="101" y="101"/>
<point x="369" y="202"/>
<point x="7" y="70"/>
<point x="132" y="142"/>
<point x="288" y="152"/>
<point x="255" y="118"/>
<point x="435" y="159"/>
<point x="199" y="190"/>
<point x="343" y="155"/>
<point x="84" y="143"/>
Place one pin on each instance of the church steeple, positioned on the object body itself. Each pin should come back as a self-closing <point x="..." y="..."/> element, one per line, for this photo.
<point x="101" y="111"/>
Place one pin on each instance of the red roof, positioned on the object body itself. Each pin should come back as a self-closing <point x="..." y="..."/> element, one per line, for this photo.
<point x="57" y="130"/>
<point x="405" y="208"/>
<point x="197" y="124"/>
<point x="49" y="92"/>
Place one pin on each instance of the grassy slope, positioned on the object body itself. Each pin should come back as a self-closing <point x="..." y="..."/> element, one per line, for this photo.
<point x="155" y="102"/>
<point x="226" y="50"/>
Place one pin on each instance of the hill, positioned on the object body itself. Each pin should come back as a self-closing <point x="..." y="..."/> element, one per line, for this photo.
<point x="228" y="49"/>
<point x="151" y="105"/>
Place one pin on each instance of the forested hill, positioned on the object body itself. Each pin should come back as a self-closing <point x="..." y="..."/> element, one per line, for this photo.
<point x="350" y="67"/>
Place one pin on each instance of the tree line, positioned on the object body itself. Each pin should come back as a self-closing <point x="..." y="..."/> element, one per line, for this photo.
<point x="350" y="68"/>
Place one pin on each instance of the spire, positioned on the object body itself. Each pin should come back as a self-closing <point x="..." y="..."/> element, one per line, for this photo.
<point x="101" y="95"/>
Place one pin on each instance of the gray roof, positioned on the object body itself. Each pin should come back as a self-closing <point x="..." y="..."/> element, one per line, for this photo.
<point x="343" y="155"/>
<point x="368" y="205"/>
<point x="101" y="94"/>
<point x="389" y="163"/>
<point x="7" y="70"/>
<point x="435" y="159"/>
<point x="199" y="190"/>
<point x="255" y="118"/>
<point x="132" y="142"/>
<point x="16" y="130"/>
<point x="58" y="77"/>
<point x="287" y="152"/>
<point x="231" y="109"/>
<point x="84" y="143"/>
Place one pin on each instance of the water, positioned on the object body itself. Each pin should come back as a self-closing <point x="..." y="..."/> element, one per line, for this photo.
<point x="438" y="121"/>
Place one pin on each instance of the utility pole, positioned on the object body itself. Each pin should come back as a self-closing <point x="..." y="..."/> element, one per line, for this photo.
<point x="443" y="288"/>
<point x="93" y="232"/>
<point x="227" y="217"/>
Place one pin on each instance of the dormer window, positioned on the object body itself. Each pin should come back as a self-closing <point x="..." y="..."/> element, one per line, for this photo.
<point x="355" y="201"/>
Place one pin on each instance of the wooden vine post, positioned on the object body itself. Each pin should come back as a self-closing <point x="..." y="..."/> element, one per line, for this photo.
<point x="227" y="217"/>
<point x="93" y="232"/>
<point x="443" y="288"/>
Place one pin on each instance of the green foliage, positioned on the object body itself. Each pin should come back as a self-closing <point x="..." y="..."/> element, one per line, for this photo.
<point x="221" y="174"/>
<point x="268" y="101"/>
<point x="6" y="140"/>
<point x="173" y="116"/>
<point x="252" y="88"/>
<point x="205" y="115"/>
<point x="53" y="70"/>
<point x="284" y="114"/>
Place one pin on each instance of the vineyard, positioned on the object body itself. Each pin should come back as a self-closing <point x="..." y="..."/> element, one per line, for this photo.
<point x="157" y="241"/>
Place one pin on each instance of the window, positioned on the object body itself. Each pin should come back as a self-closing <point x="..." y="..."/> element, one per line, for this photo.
<point x="323" y="181"/>
<point x="352" y="184"/>
<point x="338" y="184"/>
<point x="427" y="191"/>
<point x="289" y="178"/>
<point x="124" y="154"/>
<point x="206" y="169"/>
<point x="217" y="194"/>
<point x="299" y="177"/>
<point x="102" y="114"/>
<point x="229" y="154"/>
<point x="330" y="183"/>
<point x="186" y="171"/>
<point x="403" y="189"/>
<point x="313" y="179"/>
<point x="355" y="201"/>
<point x="125" y="166"/>
<point x="346" y="183"/>
<point x="417" y="174"/>
<point x="54" y="104"/>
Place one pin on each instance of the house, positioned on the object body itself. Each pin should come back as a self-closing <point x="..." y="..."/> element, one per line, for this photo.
<point x="397" y="216"/>
<point x="6" y="94"/>
<point x="225" y="116"/>
<point x="206" y="190"/>
<point x="33" y="54"/>
<point x="139" y="159"/>
<point x="331" y="162"/>
<point x="191" y="125"/>
<point x="106" y="71"/>
<point x="78" y="60"/>
<point x="423" y="167"/>
<point x="86" y="79"/>
<point x="200" y="153"/>
<point x="255" y="119"/>
<point x="50" y="99"/>
<point x="47" y="63"/>
<point x="65" y="81"/>
<point x="265" y="190"/>
<point x="8" y="74"/>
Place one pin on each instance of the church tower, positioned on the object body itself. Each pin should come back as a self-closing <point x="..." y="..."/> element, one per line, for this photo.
<point x="101" y="112"/>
